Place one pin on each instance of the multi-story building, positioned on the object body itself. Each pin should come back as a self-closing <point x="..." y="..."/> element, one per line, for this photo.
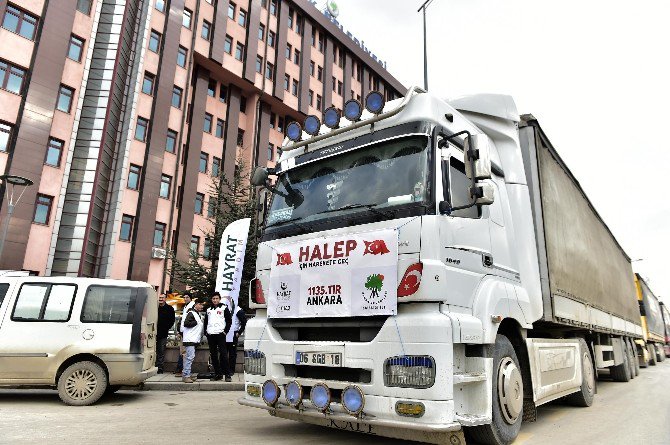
<point x="120" y="112"/>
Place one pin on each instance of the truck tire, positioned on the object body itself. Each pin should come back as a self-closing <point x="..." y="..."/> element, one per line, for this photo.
<point x="652" y="354"/>
<point x="584" y="397"/>
<point x="660" y="355"/>
<point x="507" y="388"/>
<point x="631" y="359"/>
<point x="621" y="372"/>
<point x="82" y="383"/>
<point x="636" y="360"/>
<point x="641" y="360"/>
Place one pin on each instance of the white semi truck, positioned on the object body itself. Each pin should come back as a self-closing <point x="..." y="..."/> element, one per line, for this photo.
<point x="429" y="268"/>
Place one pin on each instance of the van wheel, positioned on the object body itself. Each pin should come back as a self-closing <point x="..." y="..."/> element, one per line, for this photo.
<point x="621" y="372"/>
<point x="507" y="398"/>
<point x="584" y="397"/>
<point x="82" y="383"/>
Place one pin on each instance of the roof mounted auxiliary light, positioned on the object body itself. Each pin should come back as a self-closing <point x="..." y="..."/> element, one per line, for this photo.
<point x="312" y="125"/>
<point x="353" y="110"/>
<point x="331" y="117"/>
<point x="294" y="131"/>
<point x="374" y="102"/>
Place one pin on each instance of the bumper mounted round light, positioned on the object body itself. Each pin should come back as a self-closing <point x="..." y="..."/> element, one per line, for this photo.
<point x="374" y="102"/>
<point x="353" y="110"/>
<point x="353" y="400"/>
<point x="320" y="396"/>
<point x="270" y="392"/>
<point x="294" y="131"/>
<point x="312" y="125"/>
<point x="294" y="394"/>
<point x="331" y="118"/>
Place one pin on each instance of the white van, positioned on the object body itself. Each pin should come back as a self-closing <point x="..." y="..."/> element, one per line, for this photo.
<point x="85" y="336"/>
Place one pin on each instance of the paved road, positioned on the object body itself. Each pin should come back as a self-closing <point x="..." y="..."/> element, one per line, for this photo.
<point x="637" y="412"/>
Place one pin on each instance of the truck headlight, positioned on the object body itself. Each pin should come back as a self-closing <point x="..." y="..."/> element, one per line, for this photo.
<point x="409" y="371"/>
<point x="254" y="362"/>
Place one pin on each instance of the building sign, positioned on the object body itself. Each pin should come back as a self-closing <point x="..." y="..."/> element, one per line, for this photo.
<point x="231" y="258"/>
<point x="332" y="6"/>
<point x="340" y="276"/>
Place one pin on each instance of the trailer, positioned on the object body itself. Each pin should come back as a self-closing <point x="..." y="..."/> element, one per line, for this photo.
<point x="653" y="326"/>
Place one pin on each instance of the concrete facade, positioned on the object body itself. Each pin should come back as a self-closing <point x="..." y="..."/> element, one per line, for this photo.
<point x="105" y="106"/>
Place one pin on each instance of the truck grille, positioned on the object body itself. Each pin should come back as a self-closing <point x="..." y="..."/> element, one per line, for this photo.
<point x="352" y="375"/>
<point x="356" y="329"/>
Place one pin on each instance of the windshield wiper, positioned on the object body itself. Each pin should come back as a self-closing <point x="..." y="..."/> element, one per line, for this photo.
<point x="305" y="229"/>
<point x="370" y="207"/>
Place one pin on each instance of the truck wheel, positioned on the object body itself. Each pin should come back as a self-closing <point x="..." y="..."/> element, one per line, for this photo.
<point x="642" y="361"/>
<point x="621" y="372"/>
<point x="636" y="360"/>
<point x="631" y="359"/>
<point x="507" y="388"/>
<point x="652" y="354"/>
<point x="659" y="354"/>
<point x="584" y="397"/>
<point x="82" y="383"/>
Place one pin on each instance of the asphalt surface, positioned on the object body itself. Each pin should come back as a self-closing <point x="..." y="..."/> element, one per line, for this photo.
<point x="637" y="412"/>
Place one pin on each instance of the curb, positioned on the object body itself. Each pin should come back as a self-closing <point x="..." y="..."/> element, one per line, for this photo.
<point x="197" y="386"/>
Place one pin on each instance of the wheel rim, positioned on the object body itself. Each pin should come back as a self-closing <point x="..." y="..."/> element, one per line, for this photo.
<point x="81" y="384"/>
<point x="587" y="371"/>
<point x="510" y="390"/>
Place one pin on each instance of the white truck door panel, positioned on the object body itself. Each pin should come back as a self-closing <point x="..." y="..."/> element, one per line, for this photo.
<point x="555" y="368"/>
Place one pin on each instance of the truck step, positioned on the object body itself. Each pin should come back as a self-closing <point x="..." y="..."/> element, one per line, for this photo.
<point x="472" y="419"/>
<point x="463" y="378"/>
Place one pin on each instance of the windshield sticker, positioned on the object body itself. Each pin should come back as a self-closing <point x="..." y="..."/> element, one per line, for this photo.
<point x="280" y="215"/>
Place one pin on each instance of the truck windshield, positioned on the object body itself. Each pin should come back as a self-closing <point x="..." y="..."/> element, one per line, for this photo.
<point x="383" y="175"/>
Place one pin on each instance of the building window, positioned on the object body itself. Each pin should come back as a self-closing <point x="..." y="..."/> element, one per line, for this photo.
<point x="261" y="32"/>
<point x="318" y="101"/>
<point x="296" y="57"/>
<point x="242" y="18"/>
<point x="271" y="152"/>
<point x="134" y="177"/>
<point x="20" y="22"/>
<point x="65" y="95"/>
<point x="159" y="234"/>
<point x="207" y="127"/>
<point x="287" y="81"/>
<point x="289" y="51"/>
<point x="76" y="48"/>
<point x="171" y="142"/>
<point x="5" y="135"/>
<point x="223" y="93"/>
<point x="211" y="88"/>
<point x="54" y="151"/>
<point x="240" y="137"/>
<point x="186" y="18"/>
<point x="243" y="104"/>
<point x="290" y="18"/>
<point x="339" y="87"/>
<point x="195" y="244"/>
<point x="340" y="58"/>
<point x="295" y="87"/>
<point x="322" y="42"/>
<point x="126" y="227"/>
<point x="141" y="129"/>
<point x="311" y="68"/>
<point x="273" y="7"/>
<point x="273" y="118"/>
<point x="299" y="24"/>
<point x="271" y="39"/>
<point x="166" y="182"/>
<point x="311" y="97"/>
<point x="228" y="44"/>
<point x="176" y="96"/>
<point x="155" y="41"/>
<point x="334" y="84"/>
<point x="216" y="166"/>
<point x="148" y="84"/>
<point x="231" y="11"/>
<point x="11" y="77"/>
<point x="239" y="51"/>
<point x="220" y="124"/>
<point x="84" y="6"/>
<point x="160" y="5"/>
<point x="259" y="64"/>
<point x="319" y="73"/>
<point x="182" y="54"/>
<point x="207" y="251"/>
<point x="206" y="27"/>
<point x="211" y="207"/>
<point x="42" y="209"/>
<point x="199" y="203"/>
<point x="270" y="71"/>
<point x="204" y="159"/>
<point x="280" y="124"/>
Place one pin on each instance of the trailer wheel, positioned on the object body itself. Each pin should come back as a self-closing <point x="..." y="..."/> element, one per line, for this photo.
<point x="642" y="361"/>
<point x="621" y="372"/>
<point x="631" y="358"/>
<point x="82" y="383"/>
<point x="636" y="359"/>
<point x="507" y="388"/>
<point x="652" y="354"/>
<point x="584" y="397"/>
<point x="661" y="354"/>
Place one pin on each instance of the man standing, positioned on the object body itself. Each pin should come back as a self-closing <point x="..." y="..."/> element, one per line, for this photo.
<point x="238" y="324"/>
<point x="165" y="322"/>
<point x="218" y="321"/>
<point x="180" y="332"/>
<point x="193" y="328"/>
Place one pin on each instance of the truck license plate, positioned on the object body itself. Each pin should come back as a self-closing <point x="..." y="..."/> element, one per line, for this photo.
<point x="318" y="358"/>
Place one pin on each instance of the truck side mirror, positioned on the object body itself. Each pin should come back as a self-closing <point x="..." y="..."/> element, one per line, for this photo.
<point x="260" y="176"/>
<point x="478" y="157"/>
<point x="482" y="194"/>
<point x="261" y="210"/>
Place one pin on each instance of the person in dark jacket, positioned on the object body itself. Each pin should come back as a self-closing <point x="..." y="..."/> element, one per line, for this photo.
<point x="239" y="322"/>
<point x="217" y="326"/>
<point x="165" y="322"/>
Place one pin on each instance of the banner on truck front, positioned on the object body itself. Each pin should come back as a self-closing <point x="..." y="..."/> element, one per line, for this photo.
<point x="338" y="276"/>
<point x="231" y="258"/>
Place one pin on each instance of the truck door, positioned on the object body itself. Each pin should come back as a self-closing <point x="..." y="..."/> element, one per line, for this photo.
<point x="35" y="329"/>
<point x="464" y="235"/>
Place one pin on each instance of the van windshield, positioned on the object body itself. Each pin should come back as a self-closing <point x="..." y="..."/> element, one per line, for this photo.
<point x="380" y="176"/>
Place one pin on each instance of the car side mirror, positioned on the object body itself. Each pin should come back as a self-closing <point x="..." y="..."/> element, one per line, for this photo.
<point x="478" y="157"/>
<point x="260" y="176"/>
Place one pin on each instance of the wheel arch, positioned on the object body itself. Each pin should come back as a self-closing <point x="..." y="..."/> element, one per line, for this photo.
<point x="83" y="357"/>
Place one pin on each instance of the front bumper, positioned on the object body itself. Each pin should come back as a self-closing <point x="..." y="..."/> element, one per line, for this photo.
<point x="410" y="429"/>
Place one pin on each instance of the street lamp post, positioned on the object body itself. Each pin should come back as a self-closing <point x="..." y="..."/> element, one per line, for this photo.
<point x="425" y="47"/>
<point x="11" y="182"/>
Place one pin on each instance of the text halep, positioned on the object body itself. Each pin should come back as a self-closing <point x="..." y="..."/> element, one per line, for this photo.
<point x="340" y="249"/>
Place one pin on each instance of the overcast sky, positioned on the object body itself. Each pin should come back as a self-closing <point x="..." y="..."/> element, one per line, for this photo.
<point x="595" y="74"/>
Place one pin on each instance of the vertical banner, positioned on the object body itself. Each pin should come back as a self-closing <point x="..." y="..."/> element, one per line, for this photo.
<point x="231" y="258"/>
<point x="339" y="276"/>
